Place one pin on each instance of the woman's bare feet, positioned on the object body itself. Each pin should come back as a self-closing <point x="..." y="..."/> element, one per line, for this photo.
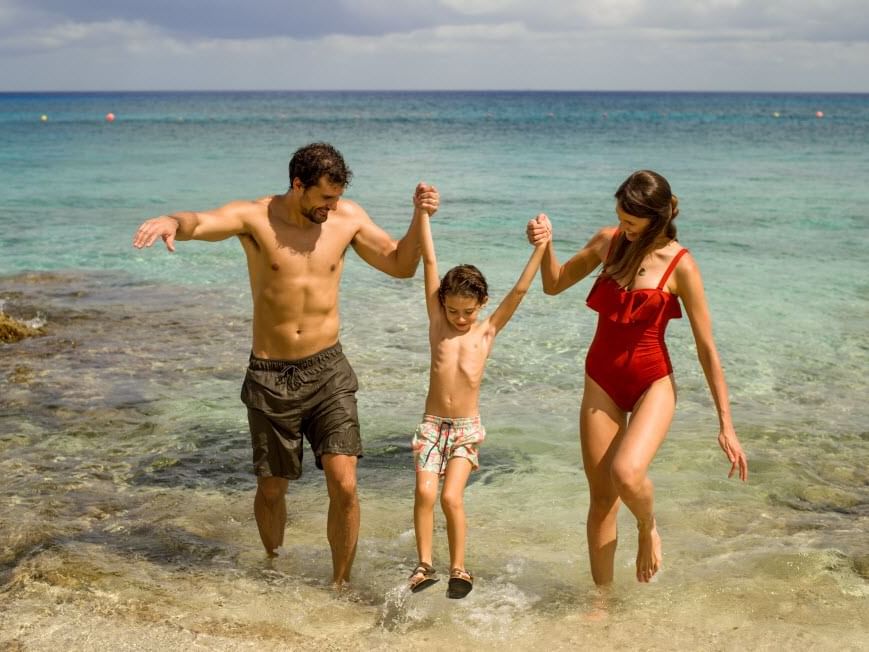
<point x="600" y="604"/>
<point x="649" y="555"/>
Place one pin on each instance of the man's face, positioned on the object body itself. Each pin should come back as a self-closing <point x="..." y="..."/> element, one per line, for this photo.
<point x="318" y="200"/>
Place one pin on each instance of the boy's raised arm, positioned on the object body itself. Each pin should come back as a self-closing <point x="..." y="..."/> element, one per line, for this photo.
<point x="423" y="210"/>
<point x="508" y="304"/>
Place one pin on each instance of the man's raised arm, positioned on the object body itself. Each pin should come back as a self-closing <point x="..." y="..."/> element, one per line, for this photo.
<point x="396" y="258"/>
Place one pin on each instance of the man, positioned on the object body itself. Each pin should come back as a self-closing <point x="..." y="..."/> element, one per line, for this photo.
<point x="298" y="381"/>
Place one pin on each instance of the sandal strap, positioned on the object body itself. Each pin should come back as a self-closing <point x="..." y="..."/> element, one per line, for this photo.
<point x="461" y="573"/>
<point x="423" y="568"/>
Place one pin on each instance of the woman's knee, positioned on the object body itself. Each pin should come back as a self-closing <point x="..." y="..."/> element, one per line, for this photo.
<point x="627" y="477"/>
<point x="602" y="505"/>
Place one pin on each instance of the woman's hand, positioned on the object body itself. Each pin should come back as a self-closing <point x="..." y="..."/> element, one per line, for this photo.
<point x="539" y="230"/>
<point x="729" y="443"/>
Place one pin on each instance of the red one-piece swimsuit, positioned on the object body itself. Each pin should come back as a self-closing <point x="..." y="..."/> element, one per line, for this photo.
<point x="628" y="352"/>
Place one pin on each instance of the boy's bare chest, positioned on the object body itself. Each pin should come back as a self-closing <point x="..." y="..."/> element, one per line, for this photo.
<point x="466" y="354"/>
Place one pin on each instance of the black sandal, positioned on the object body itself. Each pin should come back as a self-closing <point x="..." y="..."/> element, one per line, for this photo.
<point x="422" y="577"/>
<point x="461" y="583"/>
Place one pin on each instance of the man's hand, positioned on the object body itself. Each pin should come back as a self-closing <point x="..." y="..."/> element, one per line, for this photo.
<point x="164" y="227"/>
<point x="426" y="198"/>
<point x="539" y="230"/>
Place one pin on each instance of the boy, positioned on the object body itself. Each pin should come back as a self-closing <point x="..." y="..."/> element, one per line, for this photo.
<point x="447" y="441"/>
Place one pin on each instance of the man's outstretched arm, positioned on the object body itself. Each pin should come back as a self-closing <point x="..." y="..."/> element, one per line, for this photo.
<point x="211" y="226"/>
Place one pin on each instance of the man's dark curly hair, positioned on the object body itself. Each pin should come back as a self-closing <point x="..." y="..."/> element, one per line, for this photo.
<point x="465" y="281"/>
<point x="312" y="162"/>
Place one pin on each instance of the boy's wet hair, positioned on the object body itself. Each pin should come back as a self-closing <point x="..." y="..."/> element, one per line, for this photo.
<point x="312" y="162"/>
<point x="465" y="281"/>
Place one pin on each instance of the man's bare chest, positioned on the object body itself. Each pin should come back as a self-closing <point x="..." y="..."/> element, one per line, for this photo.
<point x="300" y="256"/>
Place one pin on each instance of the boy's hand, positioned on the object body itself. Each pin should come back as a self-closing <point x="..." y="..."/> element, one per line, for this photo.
<point x="539" y="230"/>
<point x="426" y="198"/>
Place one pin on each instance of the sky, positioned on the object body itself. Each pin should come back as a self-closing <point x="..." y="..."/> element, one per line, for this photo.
<point x="695" y="45"/>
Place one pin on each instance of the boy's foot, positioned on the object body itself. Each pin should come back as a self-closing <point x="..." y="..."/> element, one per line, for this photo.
<point x="649" y="553"/>
<point x="422" y="577"/>
<point x="461" y="583"/>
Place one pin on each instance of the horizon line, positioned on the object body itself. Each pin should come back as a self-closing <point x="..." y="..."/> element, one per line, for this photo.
<point x="433" y="90"/>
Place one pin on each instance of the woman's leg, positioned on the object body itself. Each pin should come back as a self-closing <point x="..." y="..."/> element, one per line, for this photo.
<point x="644" y="435"/>
<point x="452" y="502"/>
<point x="600" y="423"/>
<point x="423" y="513"/>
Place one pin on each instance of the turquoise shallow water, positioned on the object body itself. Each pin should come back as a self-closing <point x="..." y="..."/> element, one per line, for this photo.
<point x="123" y="447"/>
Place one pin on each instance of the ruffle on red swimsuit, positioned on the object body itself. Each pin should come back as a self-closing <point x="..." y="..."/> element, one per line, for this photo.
<point x="628" y="352"/>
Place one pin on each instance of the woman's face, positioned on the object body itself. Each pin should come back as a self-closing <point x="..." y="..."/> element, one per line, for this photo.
<point x="631" y="225"/>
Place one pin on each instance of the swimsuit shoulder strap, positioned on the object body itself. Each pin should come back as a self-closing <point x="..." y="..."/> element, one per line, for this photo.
<point x="671" y="267"/>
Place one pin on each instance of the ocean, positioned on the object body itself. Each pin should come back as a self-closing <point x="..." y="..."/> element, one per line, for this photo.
<point x="126" y="493"/>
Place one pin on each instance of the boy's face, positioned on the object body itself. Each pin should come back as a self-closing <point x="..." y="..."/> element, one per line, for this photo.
<point x="461" y="311"/>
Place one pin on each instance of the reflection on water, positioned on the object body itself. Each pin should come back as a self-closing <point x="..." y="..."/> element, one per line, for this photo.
<point x="126" y="503"/>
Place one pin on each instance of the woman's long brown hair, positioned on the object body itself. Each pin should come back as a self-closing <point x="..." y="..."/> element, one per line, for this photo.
<point x="643" y="194"/>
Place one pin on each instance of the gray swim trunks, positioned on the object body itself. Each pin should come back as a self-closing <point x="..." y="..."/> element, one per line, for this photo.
<point x="286" y="399"/>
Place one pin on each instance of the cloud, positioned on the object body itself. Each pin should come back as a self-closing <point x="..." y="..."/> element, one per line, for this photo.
<point x="250" y="19"/>
<point x="846" y="20"/>
<point x="426" y="44"/>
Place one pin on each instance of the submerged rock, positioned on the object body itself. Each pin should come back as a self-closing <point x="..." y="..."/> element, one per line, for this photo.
<point x="12" y="330"/>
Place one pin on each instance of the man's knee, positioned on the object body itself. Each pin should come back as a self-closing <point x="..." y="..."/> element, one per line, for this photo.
<point x="340" y="473"/>
<point x="272" y="488"/>
<point x="343" y="490"/>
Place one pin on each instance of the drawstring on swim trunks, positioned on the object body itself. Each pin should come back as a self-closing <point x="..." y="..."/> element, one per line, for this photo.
<point x="443" y="431"/>
<point x="292" y="376"/>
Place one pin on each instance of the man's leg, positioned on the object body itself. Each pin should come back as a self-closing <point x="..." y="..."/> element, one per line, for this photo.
<point x="270" y="510"/>
<point x="342" y="528"/>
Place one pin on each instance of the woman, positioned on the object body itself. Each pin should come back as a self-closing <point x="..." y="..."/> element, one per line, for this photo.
<point x="645" y="274"/>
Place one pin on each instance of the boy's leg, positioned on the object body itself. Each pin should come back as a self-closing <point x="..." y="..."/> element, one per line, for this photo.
<point x="342" y="528"/>
<point x="423" y="513"/>
<point x="270" y="510"/>
<point x="452" y="502"/>
<point x="600" y="422"/>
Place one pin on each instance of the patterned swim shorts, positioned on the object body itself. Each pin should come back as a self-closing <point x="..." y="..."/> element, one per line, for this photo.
<point x="437" y="440"/>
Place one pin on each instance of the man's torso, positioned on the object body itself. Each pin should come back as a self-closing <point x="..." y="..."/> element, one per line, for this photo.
<point x="295" y="274"/>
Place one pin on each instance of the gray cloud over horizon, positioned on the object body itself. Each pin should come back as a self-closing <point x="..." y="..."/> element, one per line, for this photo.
<point x="706" y="44"/>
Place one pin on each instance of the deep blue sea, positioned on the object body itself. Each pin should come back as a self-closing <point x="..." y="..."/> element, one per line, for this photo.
<point x="125" y="490"/>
